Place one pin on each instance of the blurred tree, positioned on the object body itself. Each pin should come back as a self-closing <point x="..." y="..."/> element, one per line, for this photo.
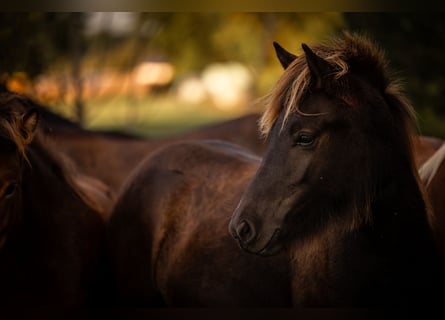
<point x="414" y="43"/>
<point x="31" y="41"/>
<point x="77" y="49"/>
<point x="192" y="41"/>
<point x="196" y="39"/>
<point x="36" y="42"/>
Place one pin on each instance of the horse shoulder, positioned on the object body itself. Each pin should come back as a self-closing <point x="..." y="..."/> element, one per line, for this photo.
<point x="165" y="204"/>
<point x="173" y="171"/>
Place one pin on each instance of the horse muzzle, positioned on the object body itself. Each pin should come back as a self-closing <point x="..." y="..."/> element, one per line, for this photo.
<point x="251" y="241"/>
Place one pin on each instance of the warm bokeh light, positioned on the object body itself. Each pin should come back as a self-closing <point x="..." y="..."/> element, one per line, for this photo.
<point x="131" y="66"/>
<point x="153" y="73"/>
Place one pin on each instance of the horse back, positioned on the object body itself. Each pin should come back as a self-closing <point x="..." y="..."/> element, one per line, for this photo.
<point x="174" y="213"/>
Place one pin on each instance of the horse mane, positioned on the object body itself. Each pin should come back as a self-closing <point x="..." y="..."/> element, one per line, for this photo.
<point x="66" y="170"/>
<point x="348" y="53"/>
<point x="12" y="108"/>
<point x="10" y="115"/>
<point x="49" y="117"/>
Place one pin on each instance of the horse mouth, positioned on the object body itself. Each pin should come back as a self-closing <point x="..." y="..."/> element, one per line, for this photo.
<point x="271" y="248"/>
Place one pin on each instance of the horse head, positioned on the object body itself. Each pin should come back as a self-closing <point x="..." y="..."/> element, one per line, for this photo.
<point x="334" y="144"/>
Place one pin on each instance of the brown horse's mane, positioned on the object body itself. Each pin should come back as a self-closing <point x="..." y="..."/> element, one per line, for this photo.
<point x="65" y="169"/>
<point x="10" y="115"/>
<point x="11" y="111"/>
<point x="347" y="53"/>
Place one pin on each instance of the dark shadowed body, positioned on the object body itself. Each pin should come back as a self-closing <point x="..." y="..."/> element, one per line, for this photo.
<point x="333" y="215"/>
<point x="51" y="227"/>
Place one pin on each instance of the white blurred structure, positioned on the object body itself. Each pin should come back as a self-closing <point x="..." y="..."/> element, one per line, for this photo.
<point x="226" y="85"/>
<point x="153" y="73"/>
<point x="141" y="81"/>
<point x="117" y="23"/>
<point x="192" y="90"/>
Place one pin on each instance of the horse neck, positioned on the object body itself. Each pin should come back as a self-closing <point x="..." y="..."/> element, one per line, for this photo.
<point x="402" y="241"/>
<point x="377" y="263"/>
<point x="46" y="189"/>
<point x="400" y="215"/>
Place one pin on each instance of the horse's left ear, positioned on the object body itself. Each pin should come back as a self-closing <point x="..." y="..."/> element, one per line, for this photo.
<point x="28" y="125"/>
<point x="284" y="56"/>
<point x="319" y="67"/>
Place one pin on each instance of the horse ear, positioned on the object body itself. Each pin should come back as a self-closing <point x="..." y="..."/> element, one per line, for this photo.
<point x="318" y="67"/>
<point x="28" y="125"/>
<point x="284" y="56"/>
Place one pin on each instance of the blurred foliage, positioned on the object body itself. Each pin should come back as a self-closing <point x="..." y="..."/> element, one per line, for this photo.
<point x="33" y="41"/>
<point x="414" y="44"/>
<point x="191" y="41"/>
<point x="39" y="42"/>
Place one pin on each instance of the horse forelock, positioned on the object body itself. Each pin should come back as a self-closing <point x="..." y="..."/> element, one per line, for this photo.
<point x="346" y="54"/>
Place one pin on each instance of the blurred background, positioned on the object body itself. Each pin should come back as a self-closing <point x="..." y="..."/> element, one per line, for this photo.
<point x="156" y="74"/>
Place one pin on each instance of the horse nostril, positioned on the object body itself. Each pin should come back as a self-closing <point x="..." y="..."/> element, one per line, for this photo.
<point x="245" y="231"/>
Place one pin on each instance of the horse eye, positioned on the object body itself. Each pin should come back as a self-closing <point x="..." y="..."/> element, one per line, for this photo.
<point x="10" y="189"/>
<point x="305" y="140"/>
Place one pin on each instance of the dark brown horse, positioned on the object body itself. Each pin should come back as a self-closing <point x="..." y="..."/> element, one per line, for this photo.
<point x="51" y="231"/>
<point x="335" y="203"/>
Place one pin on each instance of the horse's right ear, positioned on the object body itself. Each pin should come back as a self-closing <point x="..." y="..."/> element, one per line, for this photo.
<point x="28" y="125"/>
<point x="284" y="56"/>
<point x="318" y="67"/>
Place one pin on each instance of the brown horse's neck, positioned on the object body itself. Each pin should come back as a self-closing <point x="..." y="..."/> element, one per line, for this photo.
<point x="45" y="188"/>
<point x="400" y="216"/>
<point x="389" y="261"/>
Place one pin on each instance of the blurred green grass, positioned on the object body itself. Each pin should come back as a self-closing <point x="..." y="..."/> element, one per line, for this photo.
<point x="151" y="116"/>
